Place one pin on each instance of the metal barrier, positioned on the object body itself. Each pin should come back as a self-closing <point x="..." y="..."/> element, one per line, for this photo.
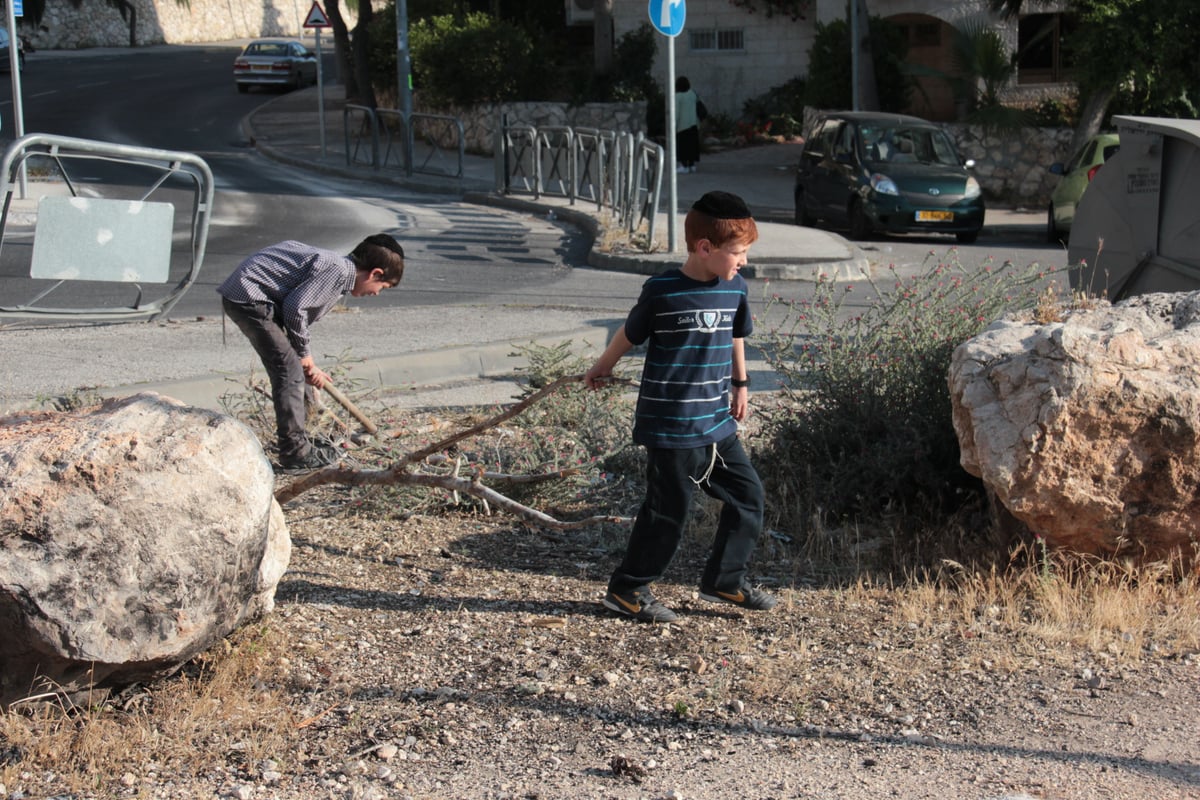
<point x="613" y="170"/>
<point x="518" y="159"/>
<point x="91" y="242"/>
<point x="436" y="134"/>
<point x="361" y="130"/>
<point x="383" y="138"/>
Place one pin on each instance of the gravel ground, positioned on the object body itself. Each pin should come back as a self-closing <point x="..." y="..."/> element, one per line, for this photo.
<point x="420" y="652"/>
<point x="469" y="657"/>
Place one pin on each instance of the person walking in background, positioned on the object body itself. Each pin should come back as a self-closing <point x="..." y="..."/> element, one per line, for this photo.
<point x="275" y="295"/>
<point x="693" y="393"/>
<point x="687" y="125"/>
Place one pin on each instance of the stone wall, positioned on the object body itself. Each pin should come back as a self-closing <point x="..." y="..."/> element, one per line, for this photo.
<point x="1013" y="168"/>
<point x="480" y="122"/>
<point x="96" y="24"/>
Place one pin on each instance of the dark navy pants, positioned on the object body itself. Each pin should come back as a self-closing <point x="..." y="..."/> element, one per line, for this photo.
<point x="279" y="358"/>
<point x="672" y="477"/>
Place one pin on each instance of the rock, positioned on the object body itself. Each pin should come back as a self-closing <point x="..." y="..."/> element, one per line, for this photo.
<point x="133" y="535"/>
<point x="1087" y="430"/>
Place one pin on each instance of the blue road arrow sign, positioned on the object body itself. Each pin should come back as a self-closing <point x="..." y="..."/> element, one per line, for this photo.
<point x="667" y="16"/>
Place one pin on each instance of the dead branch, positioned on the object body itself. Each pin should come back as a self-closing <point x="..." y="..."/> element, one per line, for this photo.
<point x="508" y="477"/>
<point x="399" y="474"/>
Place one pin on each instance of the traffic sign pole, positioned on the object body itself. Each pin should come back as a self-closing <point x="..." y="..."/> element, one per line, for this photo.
<point x="672" y="156"/>
<point x="317" y="20"/>
<point x="667" y="17"/>
<point x="320" y="93"/>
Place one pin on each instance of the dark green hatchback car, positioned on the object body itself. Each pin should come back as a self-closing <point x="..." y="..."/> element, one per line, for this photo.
<point x="872" y="171"/>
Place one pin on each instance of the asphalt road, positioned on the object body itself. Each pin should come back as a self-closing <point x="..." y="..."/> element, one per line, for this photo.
<point x="182" y="98"/>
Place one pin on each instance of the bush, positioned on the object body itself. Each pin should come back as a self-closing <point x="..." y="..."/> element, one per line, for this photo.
<point x="477" y="59"/>
<point x="780" y="109"/>
<point x="863" y="430"/>
<point x="829" y="66"/>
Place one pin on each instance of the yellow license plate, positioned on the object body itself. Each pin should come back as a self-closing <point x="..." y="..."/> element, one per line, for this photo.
<point x="935" y="216"/>
<point x="265" y="67"/>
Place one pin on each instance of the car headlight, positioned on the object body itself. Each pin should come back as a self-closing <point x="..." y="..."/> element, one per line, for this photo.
<point x="882" y="184"/>
<point x="973" y="189"/>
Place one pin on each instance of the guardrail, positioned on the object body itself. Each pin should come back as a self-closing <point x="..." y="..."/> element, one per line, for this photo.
<point x="613" y="170"/>
<point x="96" y="242"/>
<point x="384" y="138"/>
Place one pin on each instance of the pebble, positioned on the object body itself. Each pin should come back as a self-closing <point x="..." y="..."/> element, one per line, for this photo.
<point x="387" y="752"/>
<point x="611" y="678"/>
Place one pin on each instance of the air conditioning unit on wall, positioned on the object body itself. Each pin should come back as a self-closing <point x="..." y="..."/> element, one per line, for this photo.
<point x="581" y="12"/>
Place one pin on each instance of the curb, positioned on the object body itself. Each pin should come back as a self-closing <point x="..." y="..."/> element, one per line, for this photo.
<point x="400" y="373"/>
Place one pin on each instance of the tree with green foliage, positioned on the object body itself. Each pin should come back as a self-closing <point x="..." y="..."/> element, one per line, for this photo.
<point x="477" y="59"/>
<point x="1140" y="54"/>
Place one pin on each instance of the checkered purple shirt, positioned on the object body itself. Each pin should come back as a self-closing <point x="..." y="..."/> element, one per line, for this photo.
<point x="301" y="281"/>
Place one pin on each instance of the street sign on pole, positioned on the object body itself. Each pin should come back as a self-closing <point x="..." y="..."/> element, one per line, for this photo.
<point x="316" y="17"/>
<point x="317" y="20"/>
<point x="18" y="9"/>
<point x="667" y="17"/>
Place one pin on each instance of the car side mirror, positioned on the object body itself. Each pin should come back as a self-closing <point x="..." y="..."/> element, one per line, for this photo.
<point x="1057" y="168"/>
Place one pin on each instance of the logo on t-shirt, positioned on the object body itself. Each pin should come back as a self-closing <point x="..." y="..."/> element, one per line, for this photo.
<point x="707" y="321"/>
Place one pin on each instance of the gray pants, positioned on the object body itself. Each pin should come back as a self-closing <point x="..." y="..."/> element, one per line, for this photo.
<point x="282" y="363"/>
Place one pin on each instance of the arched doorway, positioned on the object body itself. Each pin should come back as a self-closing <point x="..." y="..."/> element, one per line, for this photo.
<point x="930" y="44"/>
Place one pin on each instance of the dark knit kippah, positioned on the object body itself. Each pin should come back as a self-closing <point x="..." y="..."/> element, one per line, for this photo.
<point x="723" y="205"/>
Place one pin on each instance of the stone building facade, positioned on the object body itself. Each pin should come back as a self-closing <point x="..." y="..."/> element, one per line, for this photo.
<point x="97" y="24"/>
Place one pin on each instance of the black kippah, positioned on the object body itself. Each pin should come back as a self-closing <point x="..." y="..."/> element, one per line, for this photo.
<point x="387" y="242"/>
<point x="722" y="205"/>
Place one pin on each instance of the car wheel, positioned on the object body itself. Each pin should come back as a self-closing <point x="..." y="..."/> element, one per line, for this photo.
<point x="1052" y="235"/>
<point x="802" y="216"/>
<point x="243" y="88"/>
<point x="967" y="237"/>
<point x="860" y="224"/>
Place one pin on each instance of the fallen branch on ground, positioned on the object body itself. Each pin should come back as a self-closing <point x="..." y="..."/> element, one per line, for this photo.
<point x="400" y="473"/>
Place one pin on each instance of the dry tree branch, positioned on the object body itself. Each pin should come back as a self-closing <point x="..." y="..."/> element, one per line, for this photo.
<point x="398" y="473"/>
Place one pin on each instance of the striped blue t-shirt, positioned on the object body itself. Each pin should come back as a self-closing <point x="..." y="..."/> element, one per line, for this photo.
<point x="689" y="328"/>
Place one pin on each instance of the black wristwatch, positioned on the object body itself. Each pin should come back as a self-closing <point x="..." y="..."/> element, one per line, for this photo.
<point x="739" y="383"/>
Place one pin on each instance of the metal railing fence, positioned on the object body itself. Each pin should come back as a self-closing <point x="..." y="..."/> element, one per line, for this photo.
<point x="384" y="138"/>
<point x="613" y="170"/>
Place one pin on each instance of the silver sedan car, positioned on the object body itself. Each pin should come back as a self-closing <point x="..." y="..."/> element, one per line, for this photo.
<point x="275" y="62"/>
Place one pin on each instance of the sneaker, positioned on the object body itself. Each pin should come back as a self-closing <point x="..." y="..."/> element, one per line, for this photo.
<point x="746" y="597"/>
<point x="640" y="605"/>
<point x="681" y="169"/>
<point x="692" y="168"/>
<point x="318" y="456"/>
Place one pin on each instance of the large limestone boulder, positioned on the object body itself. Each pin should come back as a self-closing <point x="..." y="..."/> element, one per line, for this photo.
<point x="1088" y="430"/>
<point x="133" y="536"/>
